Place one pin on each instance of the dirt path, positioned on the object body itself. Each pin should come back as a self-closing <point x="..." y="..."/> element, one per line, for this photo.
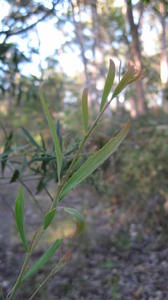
<point x="106" y="264"/>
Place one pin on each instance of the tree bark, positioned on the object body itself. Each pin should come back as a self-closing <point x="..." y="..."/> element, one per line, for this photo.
<point x="78" y="31"/>
<point x="94" y="26"/>
<point x="136" y="54"/>
<point x="164" y="58"/>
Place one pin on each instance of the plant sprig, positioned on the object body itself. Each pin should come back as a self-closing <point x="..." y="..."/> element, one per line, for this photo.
<point x="72" y="177"/>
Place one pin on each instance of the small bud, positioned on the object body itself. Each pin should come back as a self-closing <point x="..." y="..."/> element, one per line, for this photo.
<point x="130" y="76"/>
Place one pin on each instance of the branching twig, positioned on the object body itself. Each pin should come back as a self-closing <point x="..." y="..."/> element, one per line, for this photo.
<point x="28" y="190"/>
<point x="10" y="33"/>
<point x="58" y="267"/>
<point x="48" y="193"/>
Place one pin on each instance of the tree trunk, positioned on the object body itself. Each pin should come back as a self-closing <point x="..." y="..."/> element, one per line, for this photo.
<point x="98" y="64"/>
<point x="162" y="14"/>
<point x="94" y="26"/>
<point x="163" y="59"/>
<point x="79" y="36"/>
<point x="136" y="51"/>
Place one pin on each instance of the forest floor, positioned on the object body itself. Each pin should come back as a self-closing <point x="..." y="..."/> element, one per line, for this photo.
<point x="112" y="260"/>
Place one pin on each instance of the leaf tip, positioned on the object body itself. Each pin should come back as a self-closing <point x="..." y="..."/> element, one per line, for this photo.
<point x="85" y="91"/>
<point x="112" y="64"/>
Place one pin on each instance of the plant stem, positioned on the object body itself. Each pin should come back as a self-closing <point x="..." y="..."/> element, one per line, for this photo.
<point x="34" y="243"/>
<point x="59" y="189"/>
<point x="28" y="190"/>
<point x="49" y="276"/>
<point x="48" y="194"/>
<point x="68" y="173"/>
<point x="19" y="279"/>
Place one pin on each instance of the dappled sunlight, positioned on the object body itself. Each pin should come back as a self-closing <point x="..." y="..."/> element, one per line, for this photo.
<point x="65" y="228"/>
<point x="37" y="138"/>
<point x="4" y="108"/>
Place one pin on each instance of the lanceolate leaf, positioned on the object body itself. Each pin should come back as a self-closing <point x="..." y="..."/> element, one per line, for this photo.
<point x="58" y="129"/>
<point x="130" y="76"/>
<point x="43" y="259"/>
<point x="108" y="84"/>
<point x="19" y="216"/>
<point x="30" y="138"/>
<point x="49" y="217"/>
<point x="7" y="150"/>
<point x="54" y="135"/>
<point x="15" y="176"/>
<point x="94" y="161"/>
<point x="85" y="109"/>
<point x="43" y="142"/>
<point x="79" y="220"/>
<point x="40" y="186"/>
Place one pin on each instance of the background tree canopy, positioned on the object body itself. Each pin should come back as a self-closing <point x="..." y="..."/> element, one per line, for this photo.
<point x="90" y="32"/>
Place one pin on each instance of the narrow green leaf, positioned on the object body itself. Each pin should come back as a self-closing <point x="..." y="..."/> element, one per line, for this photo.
<point x="130" y="76"/>
<point x="6" y="152"/>
<point x="80" y="222"/>
<point x="94" y="161"/>
<point x="59" y="133"/>
<point x="53" y="134"/>
<point x="48" y="218"/>
<point x="15" y="176"/>
<point x="42" y="142"/>
<point x="30" y="138"/>
<point x="85" y="109"/>
<point x="40" y="186"/>
<point x="19" y="216"/>
<point x="43" y="259"/>
<point x="108" y="84"/>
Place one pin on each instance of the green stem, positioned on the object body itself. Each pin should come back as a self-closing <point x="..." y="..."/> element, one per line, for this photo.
<point x="49" y="276"/>
<point x="67" y="175"/>
<point x="18" y="282"/>
<point x="56" y="199"/>
<point x="19" y="279"/>
<point x="28" y="190"/>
